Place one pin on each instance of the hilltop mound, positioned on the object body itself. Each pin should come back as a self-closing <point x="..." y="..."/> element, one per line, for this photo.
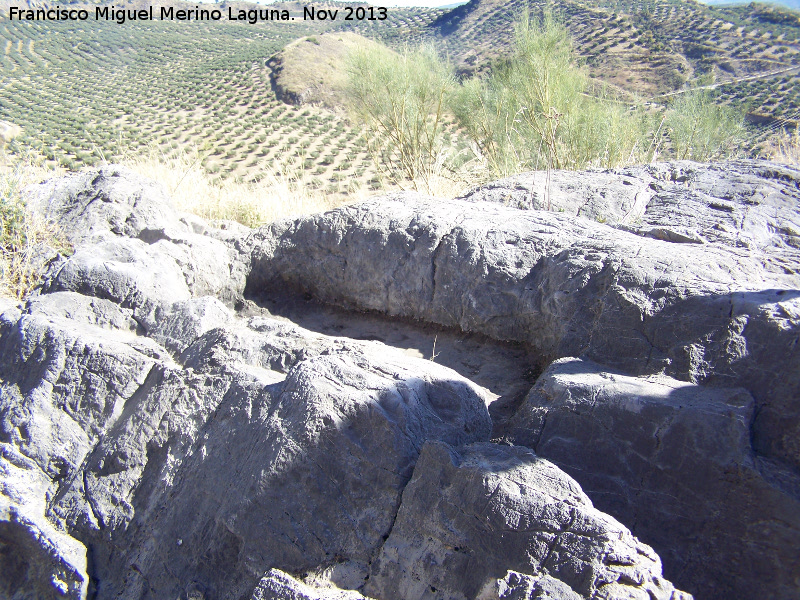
<point x="312" y="70"/>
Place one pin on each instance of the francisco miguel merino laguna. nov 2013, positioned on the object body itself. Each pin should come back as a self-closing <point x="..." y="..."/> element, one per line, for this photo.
<point x="169" y="13"/>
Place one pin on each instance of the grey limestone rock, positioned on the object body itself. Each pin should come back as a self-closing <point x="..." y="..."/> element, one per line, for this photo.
<point x="519" y="586"/>
<point x="132" y="247"/>
<point x="471" y="514"/>
<point x="155" y="443"/>
<point x="37" y="560"/>
<point x="746" y="203"/>
<point x="129" y="444"/>
<point x="707" y="313"/>
<point x="277" y="585"/>
<point x="108" y="441"/>
<point x="99" y="203"/>
<point x="609" y="195"/>
<point x="674" y="460"/>
<point x="79" y="309"/>
<point x="62" y="383"/>
<point x="314" y="464"/>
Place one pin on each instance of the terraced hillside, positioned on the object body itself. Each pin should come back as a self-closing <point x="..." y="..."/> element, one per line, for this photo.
<point x="654" y="47"/>
<point x="85" y="92"/>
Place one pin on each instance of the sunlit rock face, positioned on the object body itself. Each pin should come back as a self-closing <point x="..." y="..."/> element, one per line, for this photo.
<point x="163" y="434"/>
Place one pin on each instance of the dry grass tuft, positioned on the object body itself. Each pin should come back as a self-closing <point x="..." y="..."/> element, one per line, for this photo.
<point x="284" y="193"/>
<point x="27" y="240"/>
<point x="786" y="149"/>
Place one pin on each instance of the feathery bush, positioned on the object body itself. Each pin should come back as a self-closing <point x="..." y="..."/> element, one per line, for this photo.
<point x="401" y="99"/>
<point x="701" y="129"/>
<point x="535" y="111"/>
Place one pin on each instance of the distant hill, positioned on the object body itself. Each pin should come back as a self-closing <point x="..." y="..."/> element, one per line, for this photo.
<point x="84" y="92"/>
<point x="653" y="47"/>
<point x="312" y="70"/>
<point x="793" y="4"/>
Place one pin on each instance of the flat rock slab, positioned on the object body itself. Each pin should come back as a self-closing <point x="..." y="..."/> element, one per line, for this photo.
<point x="745" y="203"/>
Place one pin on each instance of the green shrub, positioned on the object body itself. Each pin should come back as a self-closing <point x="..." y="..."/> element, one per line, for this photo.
<point x="701" y="129"/>
<point x="535" y="110"/>
<point x="401" y="99"/>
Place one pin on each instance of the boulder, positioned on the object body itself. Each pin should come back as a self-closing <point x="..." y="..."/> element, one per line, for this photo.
<point x="37" y="560"/>
<point x="64" y="379"/>
<point x="675" y="462"/>
<point x="132" y="247"/>
<point x="314" y="466"/>
<point x="519" y="586"/>
<point x="472" y="514"/>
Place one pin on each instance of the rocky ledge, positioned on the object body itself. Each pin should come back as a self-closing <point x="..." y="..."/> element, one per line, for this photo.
<point x="199" y="412"/>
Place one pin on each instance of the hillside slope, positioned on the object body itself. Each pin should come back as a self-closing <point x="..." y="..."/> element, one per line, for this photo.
<point x="88" y="92"/>
<point x="655" y="47"/>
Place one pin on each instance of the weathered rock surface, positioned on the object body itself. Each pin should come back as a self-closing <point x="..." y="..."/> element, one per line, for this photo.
<point x="132" y="247"/>
<point x="36" y="559"/>
<point x="674" y="460"/>
<point x="742" y="203"/>
<point x="310" y="461"/>
<point x="277" y="585"/>
<point x="471" y="514"/>
<point x="155" y="443"/>
<point x="518" y="586"/>
<point x="709" y="313"/>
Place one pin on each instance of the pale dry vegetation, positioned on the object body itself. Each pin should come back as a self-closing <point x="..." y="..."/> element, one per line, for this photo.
<point x="786" y="148"/>
<point x="283" y="192"/>
<point x="27" y="240"/>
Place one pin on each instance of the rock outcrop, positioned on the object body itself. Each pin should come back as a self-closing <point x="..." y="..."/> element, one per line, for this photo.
<point x="709" y="313"/>
<point x="163" y="435"/>
<point x="471" y="515"/>
<point x="675" y="461"/>
<point x="748" y="204"/>
<point x="156" y="443"/>
<point x="695" y="274"/>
